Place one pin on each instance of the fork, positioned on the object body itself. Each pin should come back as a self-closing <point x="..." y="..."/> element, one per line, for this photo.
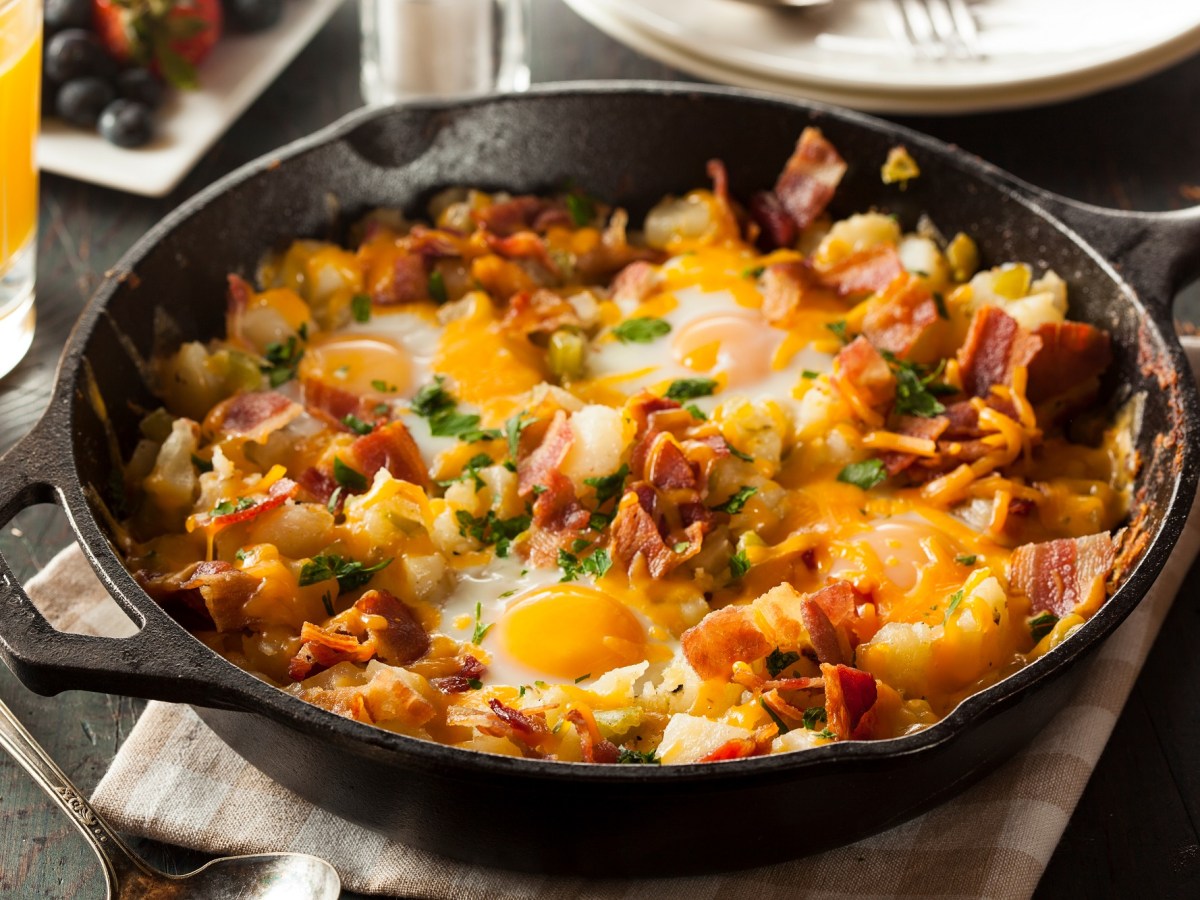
<point x="936" y="29"/>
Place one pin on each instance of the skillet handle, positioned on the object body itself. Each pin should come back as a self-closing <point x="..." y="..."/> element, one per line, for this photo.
<point x="1156" y="252"/>
<point x="161" y="661"/>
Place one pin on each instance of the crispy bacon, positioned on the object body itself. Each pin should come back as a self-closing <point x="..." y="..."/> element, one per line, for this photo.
<point x="558" y="519"/>
<point x="523" y="245"/>
<point x="470" y="669"/>
<point x="321" y="649"/>
<point x="839" y="601"/>
<point x="408" y="282"/>
<point x="1059" y="575"/>
<point x="635" y="282"/>
<point x="863" y="272"/>
<point x="639" y="409"/>
<point x="548" y="457"/>
<point x="399" y="638"/>
<point x="526" y="731"/>
<point x="776" y="227"/>
<point x="318" y="484"/>
<point x="737" y="748"/>
<point x="1072" y="354"/>
<point x="995" y="345"/>
<point x="329" y="403"/>
<point x="539" y="312"/>
<point x="821" y="633"/>
<point x="849" y="696"/>
<point x="928" y="428"/>
<point x="390" y="447"/>
<point x="595" y="748"/>
<point x="517" y="214"/>
<point x="636" y="533"/>
<point x="214" y="589"/>
<point x="721" y="638"/>
<point x="240" y="293"/>
<point x="861" y="370"/>
<point x="783" y="287"/>
<point x="667" y="467"/>
<point x="278" y="493"/>
<point x="254" y="415"/>
<point x="809" y="178"/>
<point x="431" y="243"/>
<point x="905" y="312"/>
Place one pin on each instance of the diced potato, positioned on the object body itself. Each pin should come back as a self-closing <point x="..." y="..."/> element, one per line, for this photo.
<point x="601" y="434"/>
<point x="760" y="428"/>
<point x="900" y="654"/>
<point x="171" y="485"/>
<point x="797" y="739"/>
<point x="299" y="530"/>
<point x="679" y="218"/>
<point x="859" y="232"/>
<point x="691" y="738"/>
<point x="921" y="256"/>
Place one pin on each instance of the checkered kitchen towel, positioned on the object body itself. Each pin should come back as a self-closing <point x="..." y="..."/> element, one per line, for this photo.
<point x="173" y="780"/>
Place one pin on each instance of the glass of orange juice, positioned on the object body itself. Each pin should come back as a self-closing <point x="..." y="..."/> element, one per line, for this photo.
<point x="20" y="84"/>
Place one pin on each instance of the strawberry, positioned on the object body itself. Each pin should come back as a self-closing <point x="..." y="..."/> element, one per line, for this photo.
<point x="170" y="36"/>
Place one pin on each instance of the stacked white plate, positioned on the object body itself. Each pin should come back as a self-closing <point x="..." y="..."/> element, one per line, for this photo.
<point x="855" y="53"/>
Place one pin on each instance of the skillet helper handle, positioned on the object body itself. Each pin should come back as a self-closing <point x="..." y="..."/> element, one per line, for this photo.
<point x="1156" y="252"/>
<point x="161" y="661"/>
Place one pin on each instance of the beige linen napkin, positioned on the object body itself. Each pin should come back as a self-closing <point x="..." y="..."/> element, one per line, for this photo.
<point x="173" y="780"/>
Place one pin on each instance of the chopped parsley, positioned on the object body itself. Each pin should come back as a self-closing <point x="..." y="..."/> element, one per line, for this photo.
<point x="327" y="602"/>
<point x="490" y="530"/>
<point x="955" y="599"/>
<point x="572" y="566"/>
<point x="739" y="565"/>
<point x="778" y="660"/>
<point x="228" y="507"/>
<point x="598" y="521"/>
<point x="814" y="716"/>
<point x="827" y="734"/>
<point x="697" y="412"/>
<point x="360" y="308"/>
<point x="608" y="486"/>
<point x="583" y="677"/>
<point x="691" y="388"/>
<point x="810" y="374"/>
<point x="779" y="723"/>
<point x="735" y="503"/>
<point x="637" y="757"/>
<point x="475" y="683"/>
<point x="966" y="559"/>
<point x="350" y="479"/>
<point x="865" y="474"/>
<point x="642" y="330"/>
<point x="282" y="361"/>
<point x="753" y="272"/>
<point x="734" y="451"/>
<point x="940" y="302"/>
<point x="357" y="425"/>
<point x="913" y="397"/>
<point x="512" y="432"/>
<point x="1041" y="625"/>
<point x="471" y="470"/>
<point x="436" y="404"/>
<point x="431" y="399"/>
<point x="481" y="630"/>
<point x="333" y="499"/>
<point x="682" y="546"/>
<point x="839" y="330"/>
<point x="240" y="556"/>
<point x="437" y="287"/>
<point x="202" y="465"/>
<point x="380" y="385"/>
<point x="581" y="208"/>
<point x="350" y="573"/>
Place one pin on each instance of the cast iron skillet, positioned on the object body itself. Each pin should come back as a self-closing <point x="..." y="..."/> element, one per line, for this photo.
<point x="629" y="143"/>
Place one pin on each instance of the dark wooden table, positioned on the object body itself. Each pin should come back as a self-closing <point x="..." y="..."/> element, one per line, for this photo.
<point x="1136" y="828"/>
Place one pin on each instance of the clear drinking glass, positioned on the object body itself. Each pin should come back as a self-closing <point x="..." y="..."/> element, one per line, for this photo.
<point x="20" y="84"/>
<point x="442" y="48"/>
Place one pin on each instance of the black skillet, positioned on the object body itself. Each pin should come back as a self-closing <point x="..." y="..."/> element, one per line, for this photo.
<point x="631" y="144"/>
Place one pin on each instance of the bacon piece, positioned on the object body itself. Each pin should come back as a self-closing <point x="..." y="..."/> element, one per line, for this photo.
<point x="793" y="684"/>
<point x="390" y="447"/>
<point x="539" y="312"/>
<point x="240" y="294"/>
<point x="995" y="345"/>
<point x="1059" y="575"/>
<point x="783" y="287"/>
<point x="667" y="468"/>
<point x="864" y="272"/>
<point x="213" y="588"/>
<point x="904" y="314"/>
<point x="737" y="748"/>
<point x="527" y="731"/>
<point x="330" y="403"/>
<point x="469" y="670"/>
<point x="839" y="602"/>
<point x="635" y="533"/>
<point x="319" y="485"/>
<point x="517" y="214"/>
<point x="849" y="695"/>
<point x="613" y="253"/>
<point x="253" y="415"/>
<point x="548" y="457"/>
<point x="962" y="421"/>
<point x="523" y="245"/>
<point x="721" y="638"/>
<point x="408" y="282"/>
<point x="1072" y="354"/>
<point x="639" y="409"/>
<point x="431" y="243"/>
<point x="862" y="371"/>
<point x="558" y="519"/>
<point x="928" y="428"/>
<point x="821" y="633"/>
<point x="277" y="494"/>
<point x="399" y="639"/>
<point x="777" y="229"/>
<point x="595" y="748"/>
<point x="321" y="649"/>
<point x="809" y="178"/>
<point x="635" y="282"/>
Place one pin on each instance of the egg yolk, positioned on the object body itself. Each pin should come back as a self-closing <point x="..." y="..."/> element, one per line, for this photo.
<point x="361" y="365"/>
<point x="569" y="631"/>
<point x="739" y="345"/>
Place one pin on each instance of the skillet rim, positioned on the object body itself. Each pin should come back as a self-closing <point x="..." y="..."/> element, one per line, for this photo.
<point x="265" y="699"/>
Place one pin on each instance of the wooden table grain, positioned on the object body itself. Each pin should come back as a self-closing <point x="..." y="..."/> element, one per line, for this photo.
<point x="1136" y="828"/>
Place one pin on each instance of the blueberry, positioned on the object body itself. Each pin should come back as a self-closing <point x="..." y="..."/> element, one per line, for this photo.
<point x="60" y="14"/>
<point x="126" y="123"/>
<point x="75" y="53"/>
<point x="252" y="15"/>
<point x="142" y="86"/>
<point x="81" y="100"/>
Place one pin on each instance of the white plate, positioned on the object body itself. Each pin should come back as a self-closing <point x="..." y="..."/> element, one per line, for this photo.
<point x="239" y="69"/>
<point x="844" y="53"/>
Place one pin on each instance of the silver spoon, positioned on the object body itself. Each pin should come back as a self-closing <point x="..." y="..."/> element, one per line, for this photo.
<point x="265" y="876"/>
